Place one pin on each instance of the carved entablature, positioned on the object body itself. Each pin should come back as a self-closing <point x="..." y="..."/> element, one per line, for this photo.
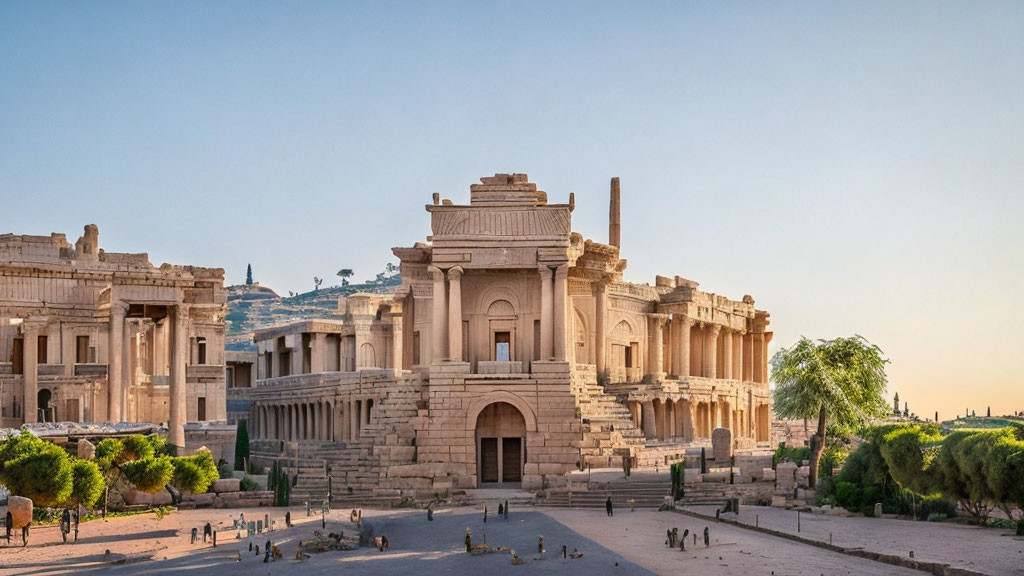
<point x="630" y="304"/>
<point x="524" y="224"/>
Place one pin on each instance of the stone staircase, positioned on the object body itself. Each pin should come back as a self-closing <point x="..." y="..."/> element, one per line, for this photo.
<point x="647" y="493"/>
<point x="608" y="430"/>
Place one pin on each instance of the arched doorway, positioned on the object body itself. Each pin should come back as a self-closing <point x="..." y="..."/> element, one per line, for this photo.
<point x="500" y="443"/>
<point x="43" y="399"/>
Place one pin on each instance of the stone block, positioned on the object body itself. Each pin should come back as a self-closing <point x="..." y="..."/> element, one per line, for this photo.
<point x="785" y="476"/>
<point x="768" y="475"/>
<point x="86" y="449"/>
<point x="21" y="511"/>
<point x="691" y="475"/>
<point x="226" y="485"/>
<point x="778" y="501"/>
<point x="721" y="445"/>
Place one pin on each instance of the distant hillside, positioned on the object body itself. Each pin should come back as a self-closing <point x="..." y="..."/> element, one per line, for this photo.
<point x="976" y="422"/>
<point x="253" y="307"/>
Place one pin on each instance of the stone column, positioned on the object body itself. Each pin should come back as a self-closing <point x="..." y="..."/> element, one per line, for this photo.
<point x="658" y="351"/>
<point x="30" y="349"/>
<point x="396" y="342"/>
<point x="439" y="317"/>
<point x="711" y="350"/>
<point x="353" y="421"/>
<point x="455" y="313"/>
<point x="727" y="351"/>
<point x="179" y="353"/>
<point x="683" y="358"/>
<point x="758" y="360"/>
<point x="115" y="352"/>
<point x="764" y="357"/>
<point x="560" y="311"/>
<point x="660" y="418"/>
<point x="737" y="350"/>
<point x="648" y="420"/>
<point x="748" y="357"/>
<point x="546" y="313"/>
<point x="317" y="345"/>
<point x="600" y="340"/>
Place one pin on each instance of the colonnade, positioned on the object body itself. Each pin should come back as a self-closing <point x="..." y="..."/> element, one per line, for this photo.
<point x="689" y="348"/>
<point x="686" y="420"/>
<point x="322" y="420"/>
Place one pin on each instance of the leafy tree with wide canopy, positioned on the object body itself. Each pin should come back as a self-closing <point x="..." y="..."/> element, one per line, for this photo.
<point x="46" y="474"/>
<point x="840" y="381"/>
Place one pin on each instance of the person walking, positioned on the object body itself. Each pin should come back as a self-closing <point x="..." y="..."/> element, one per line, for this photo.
<point x="506" y="509"/>
<point x="8" y="520"/>
<point x="608" y="506"/>
<point x="76" y="518"/>
<point x="207" y="532"/>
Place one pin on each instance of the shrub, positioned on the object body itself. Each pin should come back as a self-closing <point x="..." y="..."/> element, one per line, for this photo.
<point x="1020" y="527"/>
<point x="35" y="469"/>
<point x="848" y="495"/>
<point x="248" y="485"/>
<point x="936" y="517"/>
<point x="87" y="483"/>
<point x="931" y="505"/>
<point x="796" y="454"/>
<point x="149" y="476"/>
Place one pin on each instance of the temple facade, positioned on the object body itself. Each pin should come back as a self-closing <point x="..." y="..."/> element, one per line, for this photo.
<point x="514" y="352"/>
<point x="94" y="336"/>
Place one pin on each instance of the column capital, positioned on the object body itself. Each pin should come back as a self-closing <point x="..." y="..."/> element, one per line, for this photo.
<point x="545" y="272"/>
<point x="715" y="329"/>
<point x="455" y="272"/>
<point x="562" y="272"/>
<point x="119" y="307"/>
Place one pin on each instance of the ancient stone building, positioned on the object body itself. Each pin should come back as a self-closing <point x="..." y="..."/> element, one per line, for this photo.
<point x="90" y="336"/>
<point x="513" y="352"/>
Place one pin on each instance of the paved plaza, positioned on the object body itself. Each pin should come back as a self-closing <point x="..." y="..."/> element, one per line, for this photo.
<point x="627" y="543"/>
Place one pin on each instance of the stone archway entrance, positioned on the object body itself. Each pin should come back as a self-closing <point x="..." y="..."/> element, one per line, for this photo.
<point x="500" y="444"/>
<point x="43" y="399"/>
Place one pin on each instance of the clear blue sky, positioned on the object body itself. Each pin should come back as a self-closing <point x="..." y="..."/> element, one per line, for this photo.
<point x="857" y="168"/>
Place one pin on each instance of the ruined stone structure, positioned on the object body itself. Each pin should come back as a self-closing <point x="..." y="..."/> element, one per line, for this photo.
<point x="513" y="352"/>
<point x="89" y="336"/>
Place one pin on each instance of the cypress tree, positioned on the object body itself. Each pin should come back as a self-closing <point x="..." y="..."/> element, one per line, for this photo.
<point x="241" y="445"/>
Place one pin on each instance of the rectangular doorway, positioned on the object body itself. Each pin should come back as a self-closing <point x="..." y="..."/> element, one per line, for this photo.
<point x="511" y="460"/>
<point x="488" y="460"/>
<point x="202" y="408"/>
<point x="71" y="410"/>
<point x="81" y="349"/>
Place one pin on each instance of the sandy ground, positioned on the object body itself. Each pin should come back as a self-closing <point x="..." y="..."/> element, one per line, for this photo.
<point x="628" y="543"/>
<point x="986" y="550"/>
<point x="417" y="546"/>
<point x="640" y="537"/>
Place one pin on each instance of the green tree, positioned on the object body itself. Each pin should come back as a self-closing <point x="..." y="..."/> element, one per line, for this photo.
<point x="194" y="473"/>
<point x="842" y="380"/>
<point x="150" y="475"/>
<point x="87" y="483"/>
<point x="345" y="274"/>
<point x="35" y="469"/>
<point x="248" y="275"/>
<point x="241" y="445"/>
